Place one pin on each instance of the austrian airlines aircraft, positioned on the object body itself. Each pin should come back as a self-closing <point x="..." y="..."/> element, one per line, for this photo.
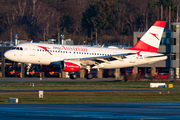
<point x="72" y="58"/>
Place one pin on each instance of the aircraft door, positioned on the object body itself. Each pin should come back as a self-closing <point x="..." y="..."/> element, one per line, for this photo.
<point x="32" y="50"/>
<point x="132" y="59"/>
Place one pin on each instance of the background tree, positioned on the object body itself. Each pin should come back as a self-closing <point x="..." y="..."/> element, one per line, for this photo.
<point x="97" y="17"/>
<point x="114" y="20"/>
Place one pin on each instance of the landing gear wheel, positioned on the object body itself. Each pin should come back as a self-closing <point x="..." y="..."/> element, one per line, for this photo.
<point x="73" y="76"/>
<point x="88" y="76"/>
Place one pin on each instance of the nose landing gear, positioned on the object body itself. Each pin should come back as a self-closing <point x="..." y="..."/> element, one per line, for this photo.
<point x="28" y="68"/>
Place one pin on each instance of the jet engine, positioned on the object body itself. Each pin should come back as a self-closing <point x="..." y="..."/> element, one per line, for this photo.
<point x="45" y="68"/>
<point x="70" y="66"/>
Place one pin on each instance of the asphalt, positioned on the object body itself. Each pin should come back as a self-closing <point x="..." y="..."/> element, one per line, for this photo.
<point x="54" y="79"/>
<point x="91" y="111"/>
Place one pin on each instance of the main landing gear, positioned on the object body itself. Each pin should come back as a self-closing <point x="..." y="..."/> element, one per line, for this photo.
<point x="73" y="76"/>
<point x="88" y="75"/>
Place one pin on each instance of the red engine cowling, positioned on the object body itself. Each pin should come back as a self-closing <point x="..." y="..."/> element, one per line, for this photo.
<point x="69" y="66"/>
<point x="45" y="68"/>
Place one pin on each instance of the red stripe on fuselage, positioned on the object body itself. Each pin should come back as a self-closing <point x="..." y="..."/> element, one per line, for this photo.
<point x="141" y="46"/>
<point x="45" y="48"/>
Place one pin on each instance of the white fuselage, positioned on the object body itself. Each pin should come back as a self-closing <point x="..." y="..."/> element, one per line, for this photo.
<point x="46" y="54"/>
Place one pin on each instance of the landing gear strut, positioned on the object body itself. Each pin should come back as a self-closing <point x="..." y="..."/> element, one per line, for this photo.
<point x="28" y="68"/>
<point x="88" y="75"/>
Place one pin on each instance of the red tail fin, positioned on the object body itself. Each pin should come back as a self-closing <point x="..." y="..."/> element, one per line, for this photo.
<point x="151" y="39"/>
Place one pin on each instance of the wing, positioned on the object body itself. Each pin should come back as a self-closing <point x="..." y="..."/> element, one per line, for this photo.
<point x="94" y="61"/>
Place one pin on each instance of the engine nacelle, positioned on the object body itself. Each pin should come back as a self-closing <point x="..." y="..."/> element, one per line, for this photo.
<point x="70" y="66"/>
<point x="45" y="68"/>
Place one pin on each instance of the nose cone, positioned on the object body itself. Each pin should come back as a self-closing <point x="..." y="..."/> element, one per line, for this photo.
<point x="7" y="55"/>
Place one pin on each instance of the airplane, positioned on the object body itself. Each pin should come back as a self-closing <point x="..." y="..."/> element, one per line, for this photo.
<point x="72" y="58"/>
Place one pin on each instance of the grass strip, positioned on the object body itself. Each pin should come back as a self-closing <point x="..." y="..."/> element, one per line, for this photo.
<point x="94" y="97"/>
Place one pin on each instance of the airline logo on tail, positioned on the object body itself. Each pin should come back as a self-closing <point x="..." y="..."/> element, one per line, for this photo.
<point x="150" y="41"/>
<point x="155" y="35"/>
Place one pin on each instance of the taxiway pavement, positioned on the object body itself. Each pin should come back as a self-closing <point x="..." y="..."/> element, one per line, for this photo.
<point x="91" y="111"/>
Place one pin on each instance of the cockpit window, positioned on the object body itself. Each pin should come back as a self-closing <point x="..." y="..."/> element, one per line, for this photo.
<point x="13" y="48"/>
<point x="17" y="48"/>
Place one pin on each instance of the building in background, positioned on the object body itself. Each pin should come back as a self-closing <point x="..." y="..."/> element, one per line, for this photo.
<point x="169" y="45"/>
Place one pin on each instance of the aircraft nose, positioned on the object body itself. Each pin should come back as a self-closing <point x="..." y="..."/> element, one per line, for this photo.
<point x="7" y="55"/>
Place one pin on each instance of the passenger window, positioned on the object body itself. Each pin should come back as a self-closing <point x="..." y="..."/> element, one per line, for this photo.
<point x="21" y="48"/>
<point x="17" y="48"/>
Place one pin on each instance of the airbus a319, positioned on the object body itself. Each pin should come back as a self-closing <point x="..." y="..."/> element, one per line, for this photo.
<point x="72" y="58"/>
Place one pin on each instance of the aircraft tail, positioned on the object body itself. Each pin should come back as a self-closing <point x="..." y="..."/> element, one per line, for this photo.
<point x="151" y="39"/>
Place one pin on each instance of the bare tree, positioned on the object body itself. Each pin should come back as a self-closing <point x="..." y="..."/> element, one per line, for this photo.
<point x="20" y="9"/>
